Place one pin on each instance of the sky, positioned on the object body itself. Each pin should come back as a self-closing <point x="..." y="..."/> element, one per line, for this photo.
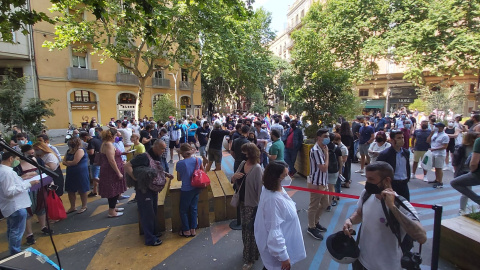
<point x="279" y="9"/>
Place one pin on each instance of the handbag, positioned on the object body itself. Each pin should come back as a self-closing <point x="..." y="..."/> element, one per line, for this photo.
<point x="235" y="202"/>
<point x="96" y="159"/>
<point x="55" y="208"/>
<point x="158" y="183"/>
<point x="199" y="179"/>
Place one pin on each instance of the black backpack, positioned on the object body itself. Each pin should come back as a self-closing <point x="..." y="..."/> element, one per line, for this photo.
<point x="333" y="165"/>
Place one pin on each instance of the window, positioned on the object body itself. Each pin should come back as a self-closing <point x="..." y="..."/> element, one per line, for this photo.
<point x="127" y="98"/>
<point x="82" y="96"/>
<point x="185" y="101"/>
<point x="79" y="60"/>
<point x="184" y="75"/>
<point x="363" y="93"/>
<point x="296" y="19"/>
<point x="378" y="92"/>
<point x="472" y="88"/>
<point x="156" y="98"/>
<point x="159" y="74"/>
<point x="125" y="70"/>
<point x="303" y="13"/>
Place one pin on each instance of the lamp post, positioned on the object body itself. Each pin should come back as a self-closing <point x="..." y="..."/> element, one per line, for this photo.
<point x="174" y="75"/>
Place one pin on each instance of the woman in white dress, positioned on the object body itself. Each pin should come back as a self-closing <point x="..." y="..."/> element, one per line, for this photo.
<point x="378" y="146"/>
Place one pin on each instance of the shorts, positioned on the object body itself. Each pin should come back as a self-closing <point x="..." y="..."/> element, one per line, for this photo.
<point x="363" y="148"/>
<point x="203" y="153"/>
<point x="94" y="172"/>
<point x="191" y="139"/>
<point x="183" y="139"/>
<point x="173" y="144"/>
<point x="451" y="147"/>
<point x="438" y="162"/>
<point x="332" y="178"/>
<point x="215" y="155"/>
<point x="418" y="155"/>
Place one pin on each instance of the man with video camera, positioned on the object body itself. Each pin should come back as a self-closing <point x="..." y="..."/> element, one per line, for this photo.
<point x="381" y="245"/>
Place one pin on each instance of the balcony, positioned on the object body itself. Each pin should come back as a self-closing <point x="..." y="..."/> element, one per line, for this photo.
<point x="125" y="78"/>
<point x="82" y="74"/>
<point x="160" y="83"/>
<point x="186" y="85"/>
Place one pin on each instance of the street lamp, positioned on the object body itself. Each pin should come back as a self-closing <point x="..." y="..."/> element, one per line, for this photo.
<point x="175" y="81"/>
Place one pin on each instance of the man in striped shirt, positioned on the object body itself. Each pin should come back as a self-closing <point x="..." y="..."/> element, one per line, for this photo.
<point x="318" y="180"/>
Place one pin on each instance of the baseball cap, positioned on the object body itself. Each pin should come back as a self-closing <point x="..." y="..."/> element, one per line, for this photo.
<point x="440" y="124"/>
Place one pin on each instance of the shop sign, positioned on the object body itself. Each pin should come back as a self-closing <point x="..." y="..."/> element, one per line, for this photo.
<point x="83" y="106"/>
<point x="401" y="100"/>
<point x="183" y="107"/>
<point x="126" y="107"/>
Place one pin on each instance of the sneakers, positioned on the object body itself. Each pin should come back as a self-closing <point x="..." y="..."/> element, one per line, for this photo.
<point x="438" y="185"/>
<point x="425" y="178"/>
<point x="329" y="208"/>
<point x="46" y="231"/>
<point x="123" y="197"/>
<point x="315" y="233"/>
<point x="30" y="240"/>
<point x="320" y="227"/>
<point x="334" y="203"/>
<point x="359" y="171"/>
<point x="462" y="212"/>
<point x="132" y="201"/>
<point x="91" y="194"/>
<point x="413" y="176"/>
<point x="171" y="161"/>
<point x="157" y="243"/>
<point x="433" y="181"/>
<point x="363" y="174"/>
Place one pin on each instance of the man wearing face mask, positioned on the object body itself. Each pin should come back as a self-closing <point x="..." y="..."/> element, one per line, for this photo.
<point x="439" y="142"/>
<point x="317" y="179"/>
<point x="201" y="135"/>
<point x="399" y="159"/>
<point x="237" y="153"/>
<point x="452" y="133"/>
<point x="21" y="140"/>
<point x="379" y="245"/>
<point x="420" y="147"/>
<point x="14" y="200"/>
<point x="293" y="140"/>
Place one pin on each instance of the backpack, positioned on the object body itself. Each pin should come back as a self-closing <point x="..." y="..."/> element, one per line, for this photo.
<point x="182" y="128"/>
<point x="407" y="243"/>
<point x="333" y="165"/>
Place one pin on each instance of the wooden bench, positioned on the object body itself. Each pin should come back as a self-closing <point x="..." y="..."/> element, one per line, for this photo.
<point x="160" y="210"/>
<point x="202" y="208"/>
<point x="222" y="191"/>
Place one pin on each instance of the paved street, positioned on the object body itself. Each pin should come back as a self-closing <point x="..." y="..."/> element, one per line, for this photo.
<point x="93" y="241"/>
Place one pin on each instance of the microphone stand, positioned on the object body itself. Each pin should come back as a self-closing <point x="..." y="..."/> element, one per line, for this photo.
<point x="41" y="169"/>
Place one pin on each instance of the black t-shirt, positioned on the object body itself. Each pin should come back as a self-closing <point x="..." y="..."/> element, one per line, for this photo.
<point x="94" y="144"/>
<point x="237" y="148"/>
<point x="355" y="128"/>
<point x="154" y="133"/>
<point x="235" y="135"/>
<point x="230" y="126"/>
<point x="202" y="135"/>
<point x="145" y="134"/>
<point x="217" y="138"/>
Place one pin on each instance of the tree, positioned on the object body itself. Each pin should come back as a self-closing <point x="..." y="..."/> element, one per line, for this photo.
<point x="16" y="15"/>
<point x="142" y="36"/>
<point x="12" y="112"/>
<point x="165" y="107"/>
<point x="419" y="105"/>
<point x="444" y="98"/>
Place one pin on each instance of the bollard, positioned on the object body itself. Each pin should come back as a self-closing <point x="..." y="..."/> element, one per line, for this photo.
<point x="436" y="235"/>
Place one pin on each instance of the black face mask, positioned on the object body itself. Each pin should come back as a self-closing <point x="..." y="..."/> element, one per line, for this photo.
<point x="378" y="139"/>
<point x="424" y="126"/>
<point x="207" y="126"/>
<point x="251" y="139"/>
<point x="372" y="188"/>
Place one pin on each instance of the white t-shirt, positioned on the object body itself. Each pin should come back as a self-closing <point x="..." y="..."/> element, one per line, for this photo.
<point x="438" y="140"/>
<point x="126" y="135"/>
<point x="374" y="147"/>
<point x="51" y="158"/>
<point x="91" y="132"/>
<point x="136" y="129"/>
<point x="378" y="245"/>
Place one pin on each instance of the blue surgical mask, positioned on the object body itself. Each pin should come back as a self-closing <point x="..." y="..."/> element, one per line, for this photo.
<point x="407" y="126"/>
<point x="326" y="141"/>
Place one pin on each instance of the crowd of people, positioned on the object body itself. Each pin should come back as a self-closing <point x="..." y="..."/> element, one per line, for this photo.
<point x="130" y="153"/>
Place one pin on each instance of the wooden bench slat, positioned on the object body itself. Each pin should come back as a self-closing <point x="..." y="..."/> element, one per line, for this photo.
<point x="219" y="207"/>
<point x="231" y="212"/>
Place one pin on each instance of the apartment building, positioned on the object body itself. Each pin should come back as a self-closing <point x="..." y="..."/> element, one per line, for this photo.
<point x="387" y="91"/>
<point x="86" y="88"/>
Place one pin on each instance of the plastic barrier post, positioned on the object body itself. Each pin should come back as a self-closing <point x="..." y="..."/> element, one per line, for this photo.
<point x="436" y="236"/>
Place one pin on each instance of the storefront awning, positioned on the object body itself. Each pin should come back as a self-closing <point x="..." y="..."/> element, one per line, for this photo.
<point x="374" y="104"/>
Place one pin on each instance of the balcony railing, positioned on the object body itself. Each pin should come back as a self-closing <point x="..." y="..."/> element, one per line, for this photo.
<point x="82" y="74"/>
<point x="125" y="78"/>
<point x="160" y="83"/>
<point x="186" y="85"/>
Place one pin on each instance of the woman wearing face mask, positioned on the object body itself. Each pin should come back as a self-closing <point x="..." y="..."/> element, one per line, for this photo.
<point x="378" y="146"/>
<point x="77" y="178"/>
<point x="26" y="171"/>
<point x="52" y="162"/>
<point x="452" y="133"/>
<point x="249" y="178"/>
<point x="278" y="233"/>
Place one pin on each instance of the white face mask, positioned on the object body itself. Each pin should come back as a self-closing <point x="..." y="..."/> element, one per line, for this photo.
<point x="287" y="181"/>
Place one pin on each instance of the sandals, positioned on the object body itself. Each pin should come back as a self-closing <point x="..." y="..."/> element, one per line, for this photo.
<point x="180" y="233"/>
<point x="71" y="211"/>
<point x="119" y="214"/>
<point x="81" y="210"/>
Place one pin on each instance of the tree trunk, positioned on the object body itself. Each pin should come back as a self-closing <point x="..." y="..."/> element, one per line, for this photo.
<point x="141" y="91"/>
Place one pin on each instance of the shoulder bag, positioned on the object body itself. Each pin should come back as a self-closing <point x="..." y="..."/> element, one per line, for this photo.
<point x="235" y="202"/>
<point x="158" y="183"/>
<point x="200" y="179"/>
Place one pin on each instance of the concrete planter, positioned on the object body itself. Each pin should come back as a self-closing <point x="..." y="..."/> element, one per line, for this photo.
<point x="460" y="242"/>
<point x="302" y="165"/>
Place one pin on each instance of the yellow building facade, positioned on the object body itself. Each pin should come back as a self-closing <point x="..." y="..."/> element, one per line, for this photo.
<point x="86" y="88"/>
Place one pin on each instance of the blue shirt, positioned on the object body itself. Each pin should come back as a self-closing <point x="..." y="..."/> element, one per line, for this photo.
<point x="191" y="132"/>
<point x="185" y="168"/>
<point x="400" y="167"/>
<point x="421" y="136"/>
<point x="366" y="133"/>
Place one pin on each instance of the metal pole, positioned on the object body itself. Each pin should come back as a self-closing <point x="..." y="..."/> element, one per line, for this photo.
<point x="236" y="224"/>
<point x="436" y="235"/>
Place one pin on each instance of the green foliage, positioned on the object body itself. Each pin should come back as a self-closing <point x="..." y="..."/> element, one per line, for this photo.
<point x="12" y="112"/>
<point x="164" y="108"/>
<point x="15" y="15"/>
<point x="444" y="98"/>
<point x="418" y="104"/>
<point x="258" y="103"/>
